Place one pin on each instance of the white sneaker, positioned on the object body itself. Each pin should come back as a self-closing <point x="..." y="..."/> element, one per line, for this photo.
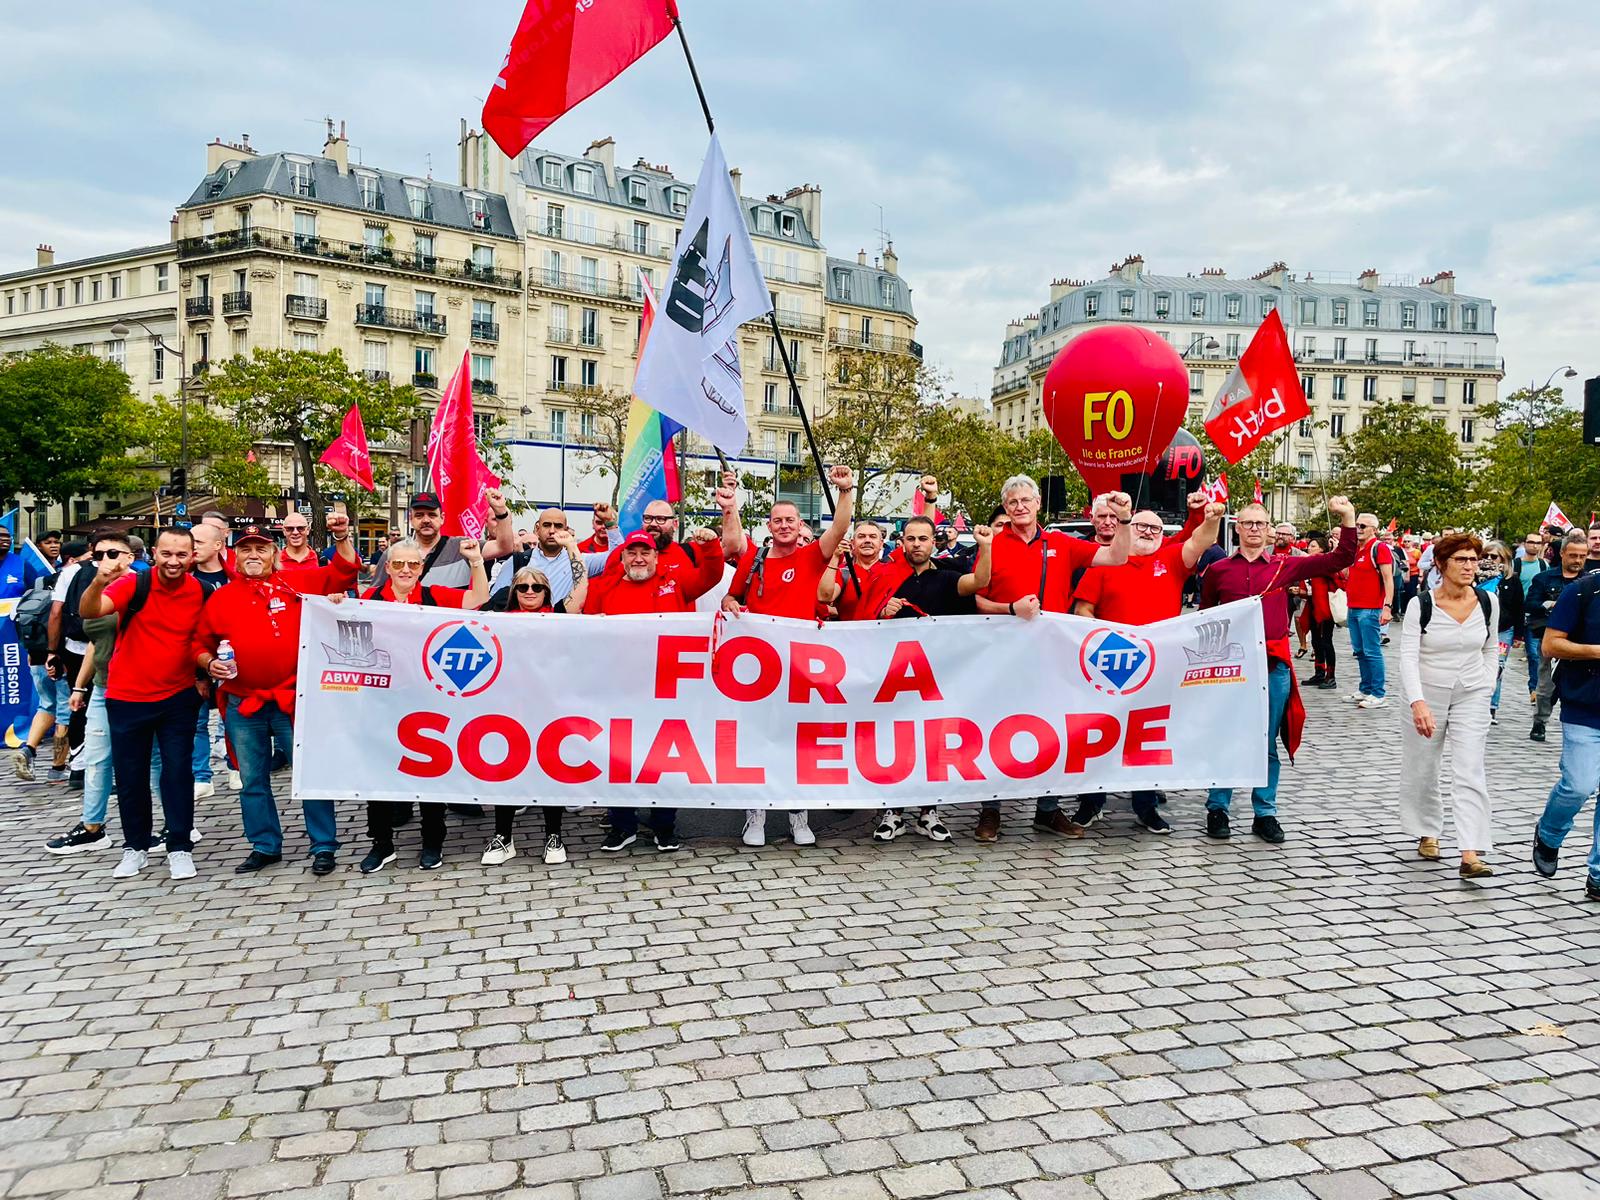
<point x="180" y="864"/>
<point x="204" y="788"/>
<point x="931" y="827"/>
<point x="235" y="781"/>
<point x="1374" y="702"/>
<point x="755" y="827"/>
<point x="1355" y="697"/>
<point x="554" y="852"/>
<point x="890" y="827"/>
<point x="133" y="861"/>
<point x="800" y="829"/>
<point x="500" y="850"/>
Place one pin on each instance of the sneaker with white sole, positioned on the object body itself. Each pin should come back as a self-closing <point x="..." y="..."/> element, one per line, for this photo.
<point x="79" y="837"/>
<point x="500" y="850"/>
<point x="180" y="864"/>
<point x="133" y="861"/>
<point x="554" y="851"/>
<point x="22" y="763"/>
<point x="1374" y="702"/>
<point x="235" y="781"/>
<point x="204" y="788"/>
<point x="158" y="842"/>
<point x="1355" y="697"/>
<point x="890" y="827"/>
<point x="755" y="827"/>
<point x="800" y="829"/>
<point x="931" y="827"/>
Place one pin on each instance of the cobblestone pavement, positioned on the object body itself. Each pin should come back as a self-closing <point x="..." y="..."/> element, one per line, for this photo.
<point x="1121" y="1017"/>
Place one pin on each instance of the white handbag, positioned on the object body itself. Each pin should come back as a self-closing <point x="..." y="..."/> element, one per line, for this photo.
<point x="1339" y="606"/>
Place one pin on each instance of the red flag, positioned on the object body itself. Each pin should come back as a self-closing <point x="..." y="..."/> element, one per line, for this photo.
<point x="457" y="473"/>
<point x="563" y="52"/>
<point x="250" y="456"/>
<point x="1394" y="523"/>
<point x="961" y="522"/>
<point x="1257" y="497"/>
<point x="1217" y="490"/>
<point x="348" y="452"/>
<point x="1260" y="396"/>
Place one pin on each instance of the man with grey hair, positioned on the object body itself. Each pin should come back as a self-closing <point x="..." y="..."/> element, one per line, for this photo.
<point x="1543" y="593"/>
<point x="1031" y="572"/>
<point x="1370" y="591"/>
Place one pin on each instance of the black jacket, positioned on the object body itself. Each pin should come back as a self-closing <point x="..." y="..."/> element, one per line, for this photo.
<point x="1543" y="593"/>
<point x="1510" y="593"/>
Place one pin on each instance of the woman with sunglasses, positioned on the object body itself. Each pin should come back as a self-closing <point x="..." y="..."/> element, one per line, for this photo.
<point x="1498" y="574"/>
<point x="1448" y="654"/>
<point x="530" y="593"/>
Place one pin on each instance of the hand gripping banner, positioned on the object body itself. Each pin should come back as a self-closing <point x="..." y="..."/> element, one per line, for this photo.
<point x="410" y="703"/>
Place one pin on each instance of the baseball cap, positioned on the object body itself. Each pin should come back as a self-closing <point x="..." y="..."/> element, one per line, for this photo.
<point x="253" y="533"/>
<point x="425" y="500"/>
<point x="639" y="538"/>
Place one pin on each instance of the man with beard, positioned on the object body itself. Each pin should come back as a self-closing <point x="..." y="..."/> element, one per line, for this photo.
<point x="443" y="564"/>
<point x="672" y="556"/>
<point x="645" y="587"/>
<point x="1148" y="587"/>
<point x="258" y="614"/>
<point x="550" y="554"/>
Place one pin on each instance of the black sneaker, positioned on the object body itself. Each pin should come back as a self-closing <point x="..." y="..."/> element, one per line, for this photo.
<point x="1591" y="890"/>
<point x="377" y="859"/>
<point x="1544" y="858"/>
<point x="667" y="840"/>
<point x="1153" y="821"/>
<point x="255" y="861"/>
<point x="617" y="840"/>
<point x="1536" y="734"/>
<point x="322" y="862"/>
<point x="1088" y="813"/>
<point x="1328" y="685"/>
<point x="1217" y="823"/>
<point x="430" y="860"/>
<point x="80" y="837"/>
<point x="1267" y="829"/>
<point x="75" y="781"/>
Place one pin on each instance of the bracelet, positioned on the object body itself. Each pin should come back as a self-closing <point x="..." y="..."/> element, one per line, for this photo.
<point x="1124" y="520"/>
<point x="1012" y="608"/>
<point x="80" y="691"/>
<point x="501" y="516"/>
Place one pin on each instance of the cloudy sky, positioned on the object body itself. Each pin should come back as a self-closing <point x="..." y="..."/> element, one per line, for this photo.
<point x="1005" y="143"/>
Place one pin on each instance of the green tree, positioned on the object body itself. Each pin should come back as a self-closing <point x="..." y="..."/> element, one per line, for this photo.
<point x="301" y="397"/>
<point x="1516" y="477"/>
<point x="604" y="447"/>
<point x="218" y="449"/>
<point x="1403" y="465"/>
<point x="972" y="458"/>
<point x="67" y="422"/>
<point x="873" y="400"/>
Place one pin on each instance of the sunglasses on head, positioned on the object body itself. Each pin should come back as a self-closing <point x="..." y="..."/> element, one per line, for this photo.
<point x="111" y="554"/>
<point x="525" y="588"/>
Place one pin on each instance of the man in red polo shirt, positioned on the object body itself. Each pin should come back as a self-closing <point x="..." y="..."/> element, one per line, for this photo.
<point x="855" y="581"/>
<point x="661" y="523"/>
<point x="258" y="614"/>
<point x="151" y="698"/>
<point x="645" y="586"/>
<point x="1148" y="587"/>
<point x="1032" y="573"/>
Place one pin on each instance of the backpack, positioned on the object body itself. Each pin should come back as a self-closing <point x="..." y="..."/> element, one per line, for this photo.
<point x="71" y="612"/>
<point x="1425" y="612"/>
<point x="32" y="618"/>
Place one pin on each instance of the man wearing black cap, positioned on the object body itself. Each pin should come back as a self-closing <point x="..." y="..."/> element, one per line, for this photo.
<point x="258" y="615"/>
<point x="442" y="562"/>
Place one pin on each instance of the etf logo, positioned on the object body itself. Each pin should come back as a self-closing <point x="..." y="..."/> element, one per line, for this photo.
<point x="1115" y="662"/>
<point x="462" y="658"/>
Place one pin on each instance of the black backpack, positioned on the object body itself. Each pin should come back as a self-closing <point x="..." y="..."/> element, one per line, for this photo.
<point x="141" y="594"/>
<point x="32" y="618"/>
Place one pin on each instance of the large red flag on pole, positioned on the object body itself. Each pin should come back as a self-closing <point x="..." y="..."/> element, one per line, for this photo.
<point x="563" y="52"/>
<point x="1260" y="396"/>
<point x="455" y="470"/>
<point x="347" y="454"/>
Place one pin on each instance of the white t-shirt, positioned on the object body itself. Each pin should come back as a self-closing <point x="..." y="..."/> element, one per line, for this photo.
<point x="59" y="596"/>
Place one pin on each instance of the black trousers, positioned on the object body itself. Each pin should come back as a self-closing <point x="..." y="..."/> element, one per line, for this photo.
<point x="1322" y="646"/>
<point x="506" y="814"/>
<point x="382" y="817"/>
<point x="136" y="728"/>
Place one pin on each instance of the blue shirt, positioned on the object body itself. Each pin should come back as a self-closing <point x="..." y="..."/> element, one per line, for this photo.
<point x="13" y="575"/>
<point x="1566" y="618"/>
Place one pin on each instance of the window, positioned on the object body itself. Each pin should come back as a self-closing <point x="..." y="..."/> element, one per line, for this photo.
<point x="305" y="231"/>
<point x="1338" y="349"/>
<point x="372" y="239"/>
<point x="1341" y="312"/>
<point x="1304" y="467"/>
<point x="1308" y="385"/>
<point x="1268" y="303"/>
<point x="306" y="285"/>
<point x="551" y="171"/>
<point x="1163" y="306"/>
<point x="1468" y="425"/>
<point x="886" y="292"/>
<point x="483" y="259"/>
<point x="483" y="312"/>
<point x="791" y="265"/>
<point x="764" y="221"/>
<point x="586" y="427"/>
<point x="1408" y="316"/>
<point x="555" y="220"/>
<point x="203" y="285"/>
<point x="1408" y="387"/>
<point x="1469" y="318"/>
<point x="94" y="293"/>
<point x="483" y="424"/>
<point x="1308" y="346"/>
<point x="589" y="274"/>
<point x="1339" y="386"/>
<point x="1441" y="316"/>
<point x="558" y="424"/>
<point x="483" y="368"/>
<point x="305" y="341"/>
<point x="1234" y="303"/>
<point x="1469" y="391"/>
<point x="1438" y="391"/>
<point x="61" y="295"/>
<point x="204" y="341"/>
<point x="791" y="447"/>
<point x="1232" y="345"/>
<point x="163" y="282"/>
<point x="117" y="352"/>
<point x="638" y="192"/>
<point x="375" y="294"/>
<point x="425" y="304"/>
<point x="300" y="181"/>
<point x="678" y="200"/>
<point x="648" y="275"/>
<point x="371" y="197"/>
<point x="583" y="181"/>
<point x="422" y="361"/>
<point x="1308" y="312"/>
<point x="1408" y="351"/>
<point x="558" y="323"/>
<point x="417" y="202"/>
<point x="1370" y="352"/>
<point x="769" y="397"/>
<point x="558" y="372"/>
<point x="477" y="214"/>
<point x="1197" y="307"/>
<point x="1369" y="387"/>
<point x="158" y="365"/>
<point x="1369" y="314"/>
<point x="1091" y="304"/>
<point x="1197" y="382"/>
<point x="588" y="372"/>
<point x="641" y="237"/>
<point x="583" y="228"/>
<point x="1336" y="425"/>
<point x="589" y="327"/>
<point x="77" y="287"/>
<point x="375" y="356"/>
<point x="1303" y="427"/>
<point x="1125" y="303"/>
<point x="424" y="250"/>
<point x="787" y="225"/>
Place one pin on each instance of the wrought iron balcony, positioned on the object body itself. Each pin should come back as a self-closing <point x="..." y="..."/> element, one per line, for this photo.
<point x="385" y="317"/>
<point x="773" y="365"/>
<point x="559" y="337"/>
<point x="484" y="387"/>
<point x="590" y="341"/>
<point x="486" y="331"/>
<point x="197" y="306"/>
<point x="855" y="340"/>
<point x="309" y="245"/>
<point x="797" y="320"/>
<point x="312" y="307"/>
<point x="235" y="304"/>
<point x="375" y="375"/>
<point x="583" y="285"/>
<point x="424" y="379"/>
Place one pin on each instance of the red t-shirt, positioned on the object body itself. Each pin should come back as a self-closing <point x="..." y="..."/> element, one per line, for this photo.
<point x="1014" y="568"/>
<point x="697" y="568"/>
<point x="659" y="593"/>
<point x="784" y="587"/>
<point x="1364" y="588"/>
<point x="288" y="566"/>
<point x="1146" y="588"/>
<point x="152" y="660"/>
<point x="443" y="597"/>
<point x="849" y="601"/>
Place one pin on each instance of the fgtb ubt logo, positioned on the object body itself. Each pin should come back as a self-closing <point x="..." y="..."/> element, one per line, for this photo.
<point x="1116" y="662"/>
<point x="462" y="658"/>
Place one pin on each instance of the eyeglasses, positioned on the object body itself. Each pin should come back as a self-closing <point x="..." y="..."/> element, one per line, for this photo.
<point x="113" y="555"/>
<point x="525" y="588"/>
<point x="405" y="566"/>
<point x="658" y="518"/>
<point x="1251" y="524"/>
<point x="1464" y="560"/>
<point x="1147" y="530"/>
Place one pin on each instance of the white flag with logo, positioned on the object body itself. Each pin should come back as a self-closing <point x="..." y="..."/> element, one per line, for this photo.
<point x="689" y="369"/>
<point x="1554" y="518"/>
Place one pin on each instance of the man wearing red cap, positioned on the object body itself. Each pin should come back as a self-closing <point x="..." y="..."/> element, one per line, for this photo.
<point x="258" y="614"/>
<point x="645" y="587"/>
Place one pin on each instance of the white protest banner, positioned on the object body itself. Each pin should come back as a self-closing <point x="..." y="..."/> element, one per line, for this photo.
<point x="400" y="702"/>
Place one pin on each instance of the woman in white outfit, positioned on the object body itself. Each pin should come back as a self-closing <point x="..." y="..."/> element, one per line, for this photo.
<point x="1447" y="674"/>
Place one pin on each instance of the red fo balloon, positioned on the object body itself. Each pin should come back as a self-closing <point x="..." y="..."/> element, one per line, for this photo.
<point x="1114" y="397"/>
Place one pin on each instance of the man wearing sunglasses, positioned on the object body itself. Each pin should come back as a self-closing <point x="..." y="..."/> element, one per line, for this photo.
<point x="1370" y="591"/>
<point x="1250" y="571"/>
<point x="555" y="553"/>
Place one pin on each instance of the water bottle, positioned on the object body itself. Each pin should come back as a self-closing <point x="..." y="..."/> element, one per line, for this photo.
<point x="225" y="656"/>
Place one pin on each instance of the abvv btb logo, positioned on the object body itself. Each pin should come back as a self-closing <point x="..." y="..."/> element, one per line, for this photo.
<point x="1115" y="662"/>
<point x="462" y="658"/>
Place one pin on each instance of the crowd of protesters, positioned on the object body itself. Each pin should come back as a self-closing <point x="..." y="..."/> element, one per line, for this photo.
<point x="143" y="652"/>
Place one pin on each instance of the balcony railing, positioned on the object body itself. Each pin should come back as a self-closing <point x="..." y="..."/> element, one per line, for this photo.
<point x="780" y="410"/>
<point x="559" y="337"/>
<point x="197" y="306"/>
<point x="399" y="318"/>
<point x="311" y="307"/>
<point x="794" y="275"/>
<point x="309" y="245"/>
<point x="874" y="341"/>
<point x="773" y="365"/>
<point x="583" y="285"/>
<point x="614" y="239"/>
<point x="1014" y="385"/>
<point x="1457" y="362"/>
<point x="590" y="341"/>
<point x="375" y="375"/>
<point x="559" y="385"/>
<point x="235" y="304"/>
<point x="424" y="379"/>
<point x="200" y="368"/>
<point x="484" y="387"/>
<point x="798" y="320"/>
<point x="486" y="331"/>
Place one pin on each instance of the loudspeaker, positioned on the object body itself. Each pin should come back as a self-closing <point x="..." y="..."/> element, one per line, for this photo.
<point x="1053" y="495"/>
<point x="1591" y="411"/>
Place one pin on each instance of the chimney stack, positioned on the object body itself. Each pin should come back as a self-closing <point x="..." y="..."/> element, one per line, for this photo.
<point x="604" y="151"/>
<point x="337" y="147"/>
<point x="47" y="255"/>
<point x="861" y="257"/>
<point x="891" y="260"/>
<point x="1368" y="280"/>
<point x="737" y="176"/>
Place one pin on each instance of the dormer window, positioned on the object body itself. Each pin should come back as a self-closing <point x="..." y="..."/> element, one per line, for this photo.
<point x="1163" y="306"/>
<point x="1125" y="303"/>
<point x="371" y="193"/>
<point x="551" y="173"/>
<point x="1091" y="304"/>
<point x="1234" y="304"/>
<point x="678" y="200"/>
<point x="841" y="283"/>
<point x="417" y="201"/>
<point x="638" y="191"/>
<point x="477" y="210"/>
<point x="1197" y="306"/>
<point x="787" y="224"/>
<point x="887" y="288"/>
<point x="301" y="182"/>
<point x="764" y="220"/>
<point x="583" y="181"/>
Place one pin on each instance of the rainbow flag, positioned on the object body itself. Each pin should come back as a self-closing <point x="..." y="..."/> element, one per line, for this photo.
<point x="649" y="457"/>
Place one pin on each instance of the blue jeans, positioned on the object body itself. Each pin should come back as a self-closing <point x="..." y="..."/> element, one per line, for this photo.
<point x="626" y="820"/>
<point x="1366" y="639"/>
<point x="1532" y="643"/>
<point x="53" y="696"/>
<point x="137" y="727"/>
<point x="1580" y="775"/>
<point x="252" y="738"/>
<point x="202" y="745"/>
<point x="1265" y="799"/>
<point x="1500" y="674"/>
<point x="96" y="761"/>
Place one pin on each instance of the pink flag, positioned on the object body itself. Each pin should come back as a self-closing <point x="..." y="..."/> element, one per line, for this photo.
<point x="348" y="452"/>
<point x="961" y="522"/>
<point x="455" y="469"/>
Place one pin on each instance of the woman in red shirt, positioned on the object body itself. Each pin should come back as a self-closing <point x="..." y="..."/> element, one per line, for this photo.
<point x="1319" y="619"/>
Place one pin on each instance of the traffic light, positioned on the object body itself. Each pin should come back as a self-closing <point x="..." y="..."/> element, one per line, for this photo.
<point x="180" y="480"/>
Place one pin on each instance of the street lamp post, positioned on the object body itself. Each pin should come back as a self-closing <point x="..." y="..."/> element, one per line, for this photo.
<point x="1533" y="396"/>
<point x="120" y="330"/>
